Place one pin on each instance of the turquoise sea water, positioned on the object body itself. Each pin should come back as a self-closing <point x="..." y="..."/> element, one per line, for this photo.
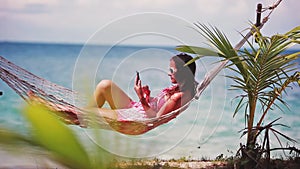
<point x="206" y="129"/>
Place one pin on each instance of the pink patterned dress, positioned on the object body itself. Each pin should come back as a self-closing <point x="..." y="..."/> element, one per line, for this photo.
<point x="135" y="110"/>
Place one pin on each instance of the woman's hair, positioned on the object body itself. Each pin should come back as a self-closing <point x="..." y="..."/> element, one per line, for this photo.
<point x="185" y="73"/>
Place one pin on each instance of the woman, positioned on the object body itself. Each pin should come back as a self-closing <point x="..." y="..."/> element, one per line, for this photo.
<point x="124" y="108"/>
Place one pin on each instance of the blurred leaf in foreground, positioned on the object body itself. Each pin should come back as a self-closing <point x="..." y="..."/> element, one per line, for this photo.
<point x="54" y="136"/>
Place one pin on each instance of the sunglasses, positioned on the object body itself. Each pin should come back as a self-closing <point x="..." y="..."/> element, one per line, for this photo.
<point x="171" y="70"/>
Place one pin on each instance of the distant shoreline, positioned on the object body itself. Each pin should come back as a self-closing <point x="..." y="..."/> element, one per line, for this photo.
<point x="83" y="44"/>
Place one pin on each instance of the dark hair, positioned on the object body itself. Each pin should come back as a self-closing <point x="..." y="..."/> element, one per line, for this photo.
<point x="186" y="73"/>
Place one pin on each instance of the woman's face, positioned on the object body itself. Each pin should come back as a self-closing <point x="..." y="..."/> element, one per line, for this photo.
<point x="172" y="71"/>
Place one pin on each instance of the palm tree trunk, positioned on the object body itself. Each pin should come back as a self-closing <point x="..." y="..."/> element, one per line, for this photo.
<point x="250" y="154"/>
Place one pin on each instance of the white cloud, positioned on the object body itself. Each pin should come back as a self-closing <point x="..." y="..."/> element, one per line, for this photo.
<point x="77" y="20"/>
<point x="28" y="6"/>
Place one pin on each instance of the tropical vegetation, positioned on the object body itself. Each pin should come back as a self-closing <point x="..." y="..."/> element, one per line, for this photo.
<point x="262" y="71"/>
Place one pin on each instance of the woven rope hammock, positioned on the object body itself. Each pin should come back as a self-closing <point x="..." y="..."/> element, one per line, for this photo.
<point x="61" y="99"/>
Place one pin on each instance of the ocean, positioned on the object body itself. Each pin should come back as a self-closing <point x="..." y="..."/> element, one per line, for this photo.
<point x="205" y="130"/>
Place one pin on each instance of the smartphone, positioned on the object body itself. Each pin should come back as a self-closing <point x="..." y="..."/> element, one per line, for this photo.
<point x="138" y="77"/>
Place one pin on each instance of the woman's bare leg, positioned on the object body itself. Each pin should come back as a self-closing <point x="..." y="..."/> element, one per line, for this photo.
<point x="108" y="91"/>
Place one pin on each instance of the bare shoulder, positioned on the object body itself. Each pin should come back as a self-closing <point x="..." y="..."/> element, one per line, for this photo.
<point x="177" y="96"/>
<point x="181" y="96"/>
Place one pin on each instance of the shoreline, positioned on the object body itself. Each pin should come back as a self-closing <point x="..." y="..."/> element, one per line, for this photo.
<point x="171" y="164"/>
<point x="21" y="161"/>
<point x="199" y="164"/>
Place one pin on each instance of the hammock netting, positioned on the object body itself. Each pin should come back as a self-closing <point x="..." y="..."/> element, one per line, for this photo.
<point x="61" y="100"/>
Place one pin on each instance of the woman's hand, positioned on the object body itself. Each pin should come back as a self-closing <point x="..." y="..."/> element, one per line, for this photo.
<point x="142" y="92"/>
<point x="144" y="95"/>
<point x="138" y="88"/>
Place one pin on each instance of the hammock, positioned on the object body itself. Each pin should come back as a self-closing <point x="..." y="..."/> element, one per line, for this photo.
<point x="62" y="100"/>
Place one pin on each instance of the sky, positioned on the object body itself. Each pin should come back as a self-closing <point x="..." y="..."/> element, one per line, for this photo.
<point x="138" y="22"/>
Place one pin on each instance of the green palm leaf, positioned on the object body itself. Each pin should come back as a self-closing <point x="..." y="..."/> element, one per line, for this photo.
<point x="196" y="50"/>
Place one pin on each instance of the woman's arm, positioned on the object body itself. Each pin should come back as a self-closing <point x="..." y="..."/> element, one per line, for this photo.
<point x="143" y="94"/>
<point x="149" y="111"/>
<point x="171" y="104"/>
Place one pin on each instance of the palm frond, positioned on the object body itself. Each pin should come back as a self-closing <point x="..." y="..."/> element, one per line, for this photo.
<point x="239" y="106"/>
<point x="196" y="50"/>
